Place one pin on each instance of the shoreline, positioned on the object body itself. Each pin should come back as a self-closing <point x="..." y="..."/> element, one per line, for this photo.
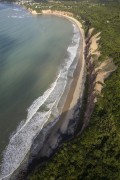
<point x="77" y="85"/>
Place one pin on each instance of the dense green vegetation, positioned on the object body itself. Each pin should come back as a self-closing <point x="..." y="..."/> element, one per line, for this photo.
<point x="96" y="153"/>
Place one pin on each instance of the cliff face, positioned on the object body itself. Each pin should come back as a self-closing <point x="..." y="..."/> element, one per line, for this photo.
<point x="97" y="72"/>
<point x="58" y="13"/>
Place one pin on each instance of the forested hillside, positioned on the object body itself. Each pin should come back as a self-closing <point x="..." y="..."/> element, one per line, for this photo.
<point x="96" y="153"/>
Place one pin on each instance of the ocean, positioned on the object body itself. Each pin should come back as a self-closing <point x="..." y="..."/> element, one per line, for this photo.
<point x="37" y="62"/>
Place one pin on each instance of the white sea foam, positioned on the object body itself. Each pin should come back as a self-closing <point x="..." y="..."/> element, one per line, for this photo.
<point x="17" y="9"/>
<point x="21" y="141"/>
<point x="16" y="16"/>
<point x="19" y="14"/>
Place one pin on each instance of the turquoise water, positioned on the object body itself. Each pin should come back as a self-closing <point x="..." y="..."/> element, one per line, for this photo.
<point x="36" y="53"/>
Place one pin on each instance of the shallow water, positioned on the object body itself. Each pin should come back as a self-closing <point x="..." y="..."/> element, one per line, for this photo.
<point x="37" y="54"/>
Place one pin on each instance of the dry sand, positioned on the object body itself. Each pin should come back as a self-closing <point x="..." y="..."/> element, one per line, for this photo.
<point x="103" y="71"/>
<point x="94" y="46"/>
<point x="32" y="11"/>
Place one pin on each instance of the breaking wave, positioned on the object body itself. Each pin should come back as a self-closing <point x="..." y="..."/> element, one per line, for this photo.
<point x="16" y="16"/>
<point x="44" y="109"/>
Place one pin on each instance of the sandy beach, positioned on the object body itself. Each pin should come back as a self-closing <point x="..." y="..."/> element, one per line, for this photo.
<point x="77" y="86"/>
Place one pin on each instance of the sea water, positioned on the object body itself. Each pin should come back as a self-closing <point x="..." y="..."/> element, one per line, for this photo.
<point x="37" y="62"/>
